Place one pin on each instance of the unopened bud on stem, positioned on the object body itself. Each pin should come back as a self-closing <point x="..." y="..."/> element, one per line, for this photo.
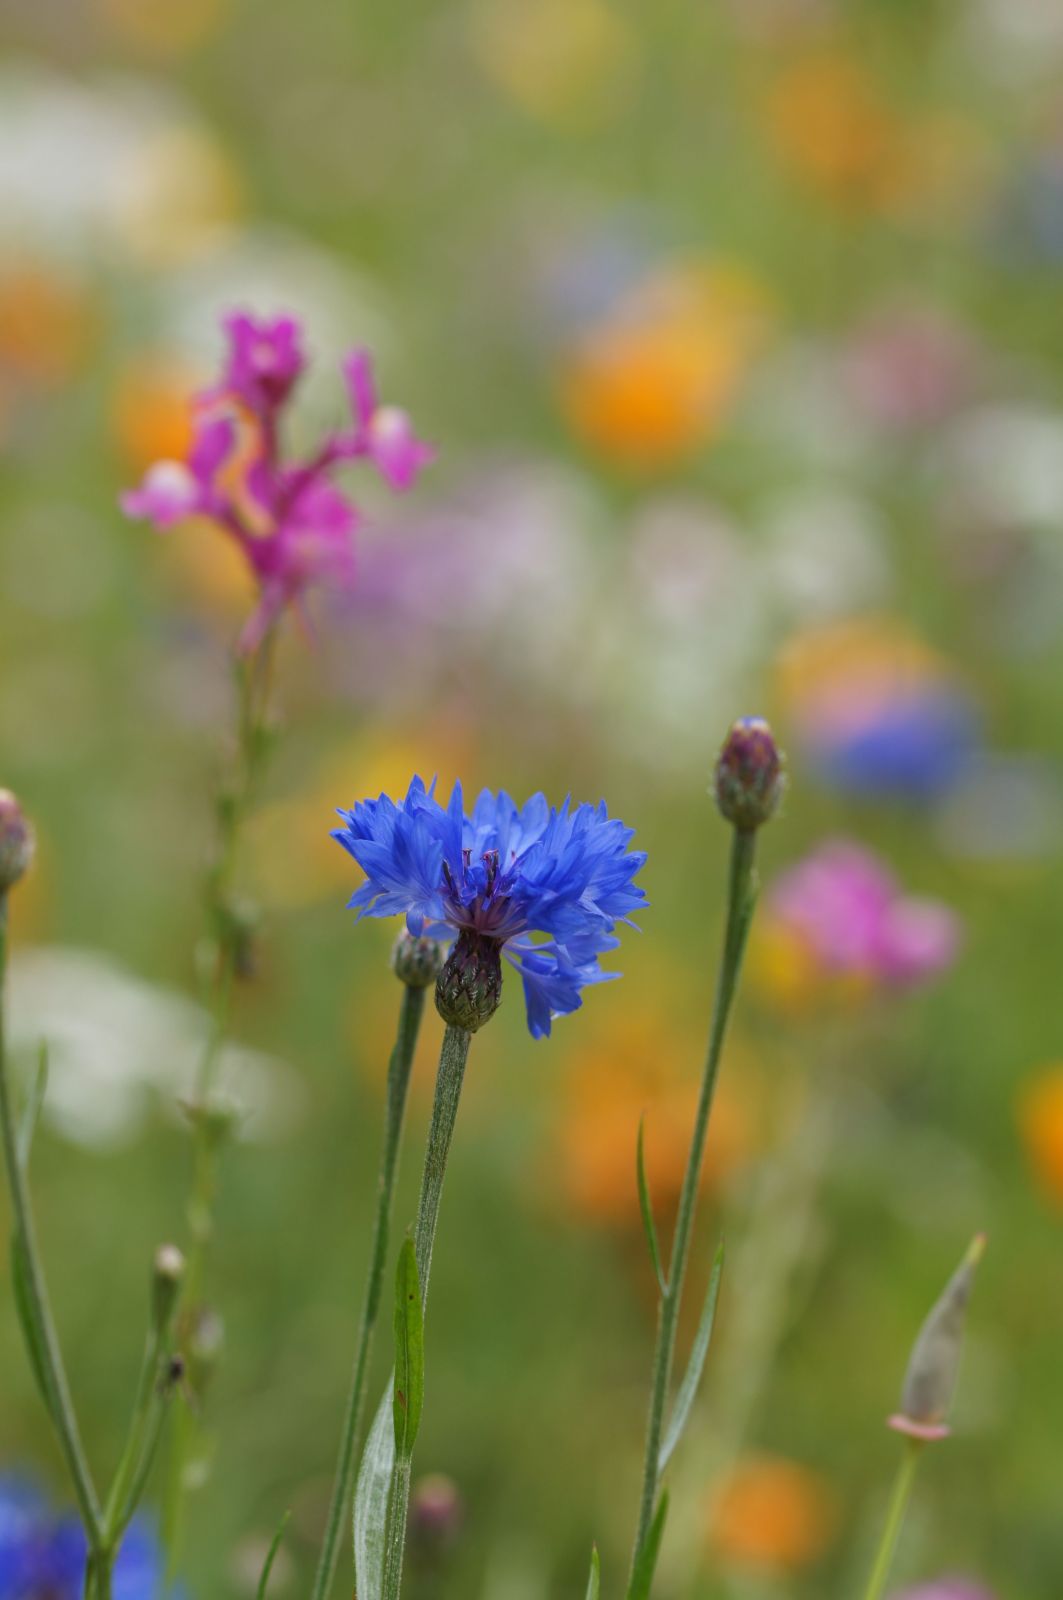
<point x="416" y="962"/>
<point x="167" y="1275"/>
<point x="17" y="841"/>
<point x="935" y="1360"/>
<point x="749" y="779"/>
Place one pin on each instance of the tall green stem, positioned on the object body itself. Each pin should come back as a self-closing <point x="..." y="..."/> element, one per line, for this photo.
<point x="46" y="1352"/>
<point x="451" y="1075"/>
<point x="233" y="805"/>
<point x="739" y="912"/>
<point x="410" y="1015"/>
<point x="902" y="1492"/>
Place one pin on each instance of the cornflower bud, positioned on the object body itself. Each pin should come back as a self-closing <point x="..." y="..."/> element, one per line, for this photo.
<point x="416" y="962"/>
<point x="749" y="780"/>
<point x="469" y="988"/>
<point x="935" y="1360"/>
<point x="167" y="1274"/>
<point x="17" y="841"/>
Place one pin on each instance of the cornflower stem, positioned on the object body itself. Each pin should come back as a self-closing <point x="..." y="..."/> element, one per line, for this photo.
<point x="452" y="1058"/>
<point x="233" y="803"/>
<point x="410" y="1014"/>
<point x="140" y="1442"/>
<point x="740" y="900"/>
<point x="47" y="1355"/>
<point x="902" y="1493"/>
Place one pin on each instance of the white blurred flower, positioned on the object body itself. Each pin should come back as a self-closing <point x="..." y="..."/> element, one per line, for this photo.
<point x="825" y="554"/>
<point x="1006" y="461"/>
<point x="119" y="1047"/>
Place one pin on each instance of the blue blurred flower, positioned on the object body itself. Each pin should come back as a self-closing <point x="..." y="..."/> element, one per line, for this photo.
<point x="43" y="1555"/>
<point x="502" y="874"/>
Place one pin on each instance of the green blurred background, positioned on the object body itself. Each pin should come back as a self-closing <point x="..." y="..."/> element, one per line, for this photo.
<point x="736" y="326"/>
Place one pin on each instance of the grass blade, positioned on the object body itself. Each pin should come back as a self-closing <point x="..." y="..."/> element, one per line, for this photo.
<point x="646" y="1206"/>
<point x="646" y="1565"/>
<point x="688" y="1389"/>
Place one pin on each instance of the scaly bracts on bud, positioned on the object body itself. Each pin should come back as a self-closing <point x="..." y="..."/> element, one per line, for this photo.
<point x="749" y="779"/>
<point x="416" y="962"/>
<point x="469" y="989"/>
<point x="17" y="841"/>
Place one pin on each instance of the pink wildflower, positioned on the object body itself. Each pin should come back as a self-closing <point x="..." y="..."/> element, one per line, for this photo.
<point x="844" y="903"/>
<point x="294" y="526"/>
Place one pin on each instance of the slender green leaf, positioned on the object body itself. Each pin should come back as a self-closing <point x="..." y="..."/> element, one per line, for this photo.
<point x="32" y="1332"/>
<point x="646" y="1561"/>
<point x="371" y="1496"/>
<point x="34" y="1102"/>
<point x="647" y="1209"/>
<point x="594" y="1582"/>
<point x="692" y="1377"/>
<point x="271" y="1556"/>
<point x="409" y="1351"/>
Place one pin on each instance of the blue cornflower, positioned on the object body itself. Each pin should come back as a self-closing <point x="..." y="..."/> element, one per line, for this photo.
<point x="496" y="878"/>
<point x="42" y="1555"/>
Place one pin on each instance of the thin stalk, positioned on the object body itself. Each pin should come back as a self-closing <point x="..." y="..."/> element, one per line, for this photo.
<point x="451" y="1075"/>
<point x="233" y="805"/>
<point x="60" y="1404"/>
<point x="739" y="911"/>
<point x="142" y="1432"/>
<point x="902" y="1492"/>
<point x="410" y="1014"/>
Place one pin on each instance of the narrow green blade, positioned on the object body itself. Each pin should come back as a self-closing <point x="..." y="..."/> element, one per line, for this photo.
<point x="271" y="1556"/>
<point x="692" y="1377"/>
<point x="646" y="1565"/>
<point x="409" y="1352"/>
<point x="646" y="1206"/>
<point x="594" y="1582"/>
<point x="32" y="1332"/>
<point x="34" y="1102"/>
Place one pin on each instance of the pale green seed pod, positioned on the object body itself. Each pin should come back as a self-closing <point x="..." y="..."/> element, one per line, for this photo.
<point x="934" y="1365"/>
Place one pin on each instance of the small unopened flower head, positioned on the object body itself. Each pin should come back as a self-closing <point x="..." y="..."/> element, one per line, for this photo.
<point x="416" y="962"/>
<point x="469" y="988"/>
<point x="749" y="779"/>
<point x="436" y="1512"/>
<point x="167" y="1274"/>
<point x="17" y="841"/>
<point x="935" y="1360"/>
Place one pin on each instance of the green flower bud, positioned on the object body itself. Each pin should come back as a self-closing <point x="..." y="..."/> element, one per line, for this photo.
<point x="416" y="962"/>
<point x="749" y="779"/>
<point x="17" y="841"/>
<point x="167" y="1274"/>
<point x="935" y="1360"/>
<point x="469" y="988"/>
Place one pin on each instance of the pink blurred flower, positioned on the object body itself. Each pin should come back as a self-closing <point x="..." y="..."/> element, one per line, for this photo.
<point x="844" y="903"/>
<point x="293" y="525"/>
<point x="947" y="1589"/>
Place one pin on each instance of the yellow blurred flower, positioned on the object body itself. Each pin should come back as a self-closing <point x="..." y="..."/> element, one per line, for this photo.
<point x="651" y="383"/>
<point x="159" y="28"/>
<point x="1040" y="1116"/>
<point x="850" y="661"/>
<point x="831" y="126"/>
<point x="180" y="197"/>
<point x="564" y="61"/>
<point x="630" y="1064"/>
<point x="772" y="1514"/>
<point x="295" y="862"/>
<point x="786" y="973"/>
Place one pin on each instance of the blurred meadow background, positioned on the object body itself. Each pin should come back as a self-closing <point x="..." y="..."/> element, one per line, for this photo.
<point x="737" y="327"/>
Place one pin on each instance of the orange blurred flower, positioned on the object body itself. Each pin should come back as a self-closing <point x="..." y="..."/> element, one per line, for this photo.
<point x="627" y="1066"/>
<point x="651" y="383"/>
<point x="151" y="410"/>
<point x="160" y="29"/>
<point x="831" y="126"/>
<point x="46" y="326"/>
<point x="772" y="1514"/>
<point x="1040" y="1116"/>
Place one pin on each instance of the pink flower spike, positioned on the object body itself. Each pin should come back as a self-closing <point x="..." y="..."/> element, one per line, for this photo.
<point x="168" y="494"/>
<point x="383" y="433"/>
<point x="265" y="360"/>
